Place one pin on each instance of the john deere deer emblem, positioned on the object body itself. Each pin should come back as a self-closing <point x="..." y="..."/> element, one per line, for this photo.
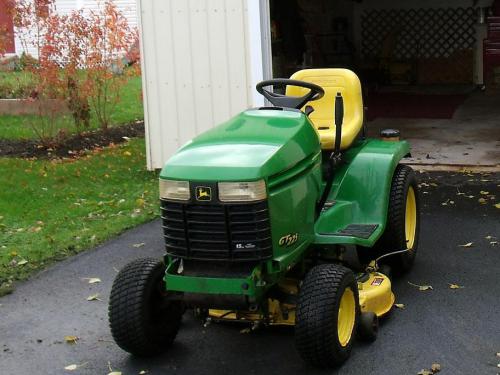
<point x="203" y="193"/>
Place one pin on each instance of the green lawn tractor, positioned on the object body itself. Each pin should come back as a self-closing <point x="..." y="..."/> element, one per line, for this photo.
<point x="260" y="216"/>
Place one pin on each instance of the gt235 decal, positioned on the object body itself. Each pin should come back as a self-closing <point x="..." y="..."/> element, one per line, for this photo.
<point x="289" y="239"/>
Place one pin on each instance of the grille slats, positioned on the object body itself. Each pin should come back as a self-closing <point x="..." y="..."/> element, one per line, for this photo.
<point x="216" y="231"/>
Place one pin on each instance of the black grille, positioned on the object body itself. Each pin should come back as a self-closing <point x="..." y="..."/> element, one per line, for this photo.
<point x="238" y="232"/>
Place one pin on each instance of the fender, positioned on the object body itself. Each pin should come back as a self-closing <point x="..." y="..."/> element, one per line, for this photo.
<point x="356" y="209"/>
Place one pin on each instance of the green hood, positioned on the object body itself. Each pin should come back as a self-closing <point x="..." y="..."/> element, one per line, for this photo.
<point x="254" y="144"/>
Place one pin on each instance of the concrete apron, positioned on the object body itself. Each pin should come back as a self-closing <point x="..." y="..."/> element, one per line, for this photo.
<point x="468" y="141"/>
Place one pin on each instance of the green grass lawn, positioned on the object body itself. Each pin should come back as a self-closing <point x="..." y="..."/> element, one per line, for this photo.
<point x="53" y="209"/>
<point x="127" y="110"/>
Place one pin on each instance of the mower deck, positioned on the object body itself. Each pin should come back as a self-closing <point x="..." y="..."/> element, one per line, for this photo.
<point x="375" y="295"/>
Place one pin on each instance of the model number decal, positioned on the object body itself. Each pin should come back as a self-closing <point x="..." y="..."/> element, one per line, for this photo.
<point x="289" y="239"/>
<point x="377" y="281"/>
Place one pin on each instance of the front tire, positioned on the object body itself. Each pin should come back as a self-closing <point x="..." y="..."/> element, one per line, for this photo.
<point x="143" y="321"/>
<point x="327" y="315"/>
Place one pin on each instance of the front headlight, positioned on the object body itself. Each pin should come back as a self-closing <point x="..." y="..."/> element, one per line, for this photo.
<point x="178" y="190"/>
<point x="242" y="191"/>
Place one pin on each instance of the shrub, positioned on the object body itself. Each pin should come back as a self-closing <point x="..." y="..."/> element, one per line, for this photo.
<point x="76" y="53"/>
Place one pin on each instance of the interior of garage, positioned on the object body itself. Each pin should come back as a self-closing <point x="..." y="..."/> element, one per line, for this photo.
<point x="430" y="68"/>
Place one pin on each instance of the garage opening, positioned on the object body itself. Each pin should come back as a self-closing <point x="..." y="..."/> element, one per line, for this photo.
<point x="430" y="68"/>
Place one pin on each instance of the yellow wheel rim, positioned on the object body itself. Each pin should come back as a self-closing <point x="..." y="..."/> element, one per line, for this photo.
<point x="410" y="218"/>
<point x="346" y="317"/>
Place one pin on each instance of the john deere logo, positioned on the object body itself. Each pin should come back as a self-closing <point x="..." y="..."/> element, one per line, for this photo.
<point x="203" y="193"/>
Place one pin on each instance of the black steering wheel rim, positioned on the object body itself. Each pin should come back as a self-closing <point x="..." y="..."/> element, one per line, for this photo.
<point x="279" y="100"/>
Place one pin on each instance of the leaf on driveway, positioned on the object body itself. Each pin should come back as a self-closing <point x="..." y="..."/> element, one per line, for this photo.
<point x="92" y="280"/>
<point x="93" y="297"/>
<point x="71" y="339"/>
<point x="456" y="286"/>
<point x="399" y="305"/>
<point x="436" y="367"/>
<point x="143" y="372"/>
<point x="422" y="288"/>
<point x="482" y="200"/>
<point x="482" y="192"/>
<point x="497" y="205"/>
<point x="137" y="245"/>
<point x="74" y="367"/>
<point x="468" y="244"/>
<point x="115" y="373"/>
<point x="494" y="243"/>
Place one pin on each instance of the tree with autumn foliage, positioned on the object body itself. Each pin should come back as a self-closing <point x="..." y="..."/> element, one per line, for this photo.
<point x="80" y="55"/>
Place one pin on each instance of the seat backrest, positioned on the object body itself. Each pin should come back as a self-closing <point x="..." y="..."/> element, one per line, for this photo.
<point x="333" y="81"/>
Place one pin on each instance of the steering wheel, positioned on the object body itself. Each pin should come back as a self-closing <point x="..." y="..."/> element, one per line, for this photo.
<point x="279" y="100"/>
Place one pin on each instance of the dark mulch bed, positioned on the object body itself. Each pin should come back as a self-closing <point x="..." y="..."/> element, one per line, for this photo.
<point x="72" y="146"/>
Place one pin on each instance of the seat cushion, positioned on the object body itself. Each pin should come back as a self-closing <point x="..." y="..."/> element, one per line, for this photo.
<point x="333" y="81"/>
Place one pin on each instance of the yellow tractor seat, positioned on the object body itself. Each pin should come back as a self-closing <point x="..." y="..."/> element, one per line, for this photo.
<point x="333" y="81"/>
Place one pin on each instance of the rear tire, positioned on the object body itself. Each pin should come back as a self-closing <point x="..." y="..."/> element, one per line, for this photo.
<point x="403" y="220"/>
<point x="143" y="321"/>
<point x="402" y="226"/>
<point x="327" y="315"/>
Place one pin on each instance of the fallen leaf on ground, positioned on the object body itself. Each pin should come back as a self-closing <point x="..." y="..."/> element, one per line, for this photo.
<point x="468" y="244"/>
<point x="498" y="354"/>
<point x="488" y="237"/>
<point x="246" y="330"/>
<point x="127" y="153"/>
<point x="482" y="192"/>
<point x="455" y="286"/>
<point x="22" y="262"/>
<point x="93" y="280"/>
<point x="93" y="297"/>
<point x="497" y="205"/>
<point x="436" y="367"/>
<point x="111" y="372"/>
<point x="141" y="244"/>
<point x="143" y="372"/>
<point x="71" y="339"/>
<point x="399" y="305"/>
<point x="482" y="200"/>
<point x="422" y="288"/>
<point x="494" y="243"/>
<point x="74" y="367"/>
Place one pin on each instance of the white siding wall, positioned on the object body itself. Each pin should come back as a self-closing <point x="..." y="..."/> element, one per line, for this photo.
<point x="201" y="60"/>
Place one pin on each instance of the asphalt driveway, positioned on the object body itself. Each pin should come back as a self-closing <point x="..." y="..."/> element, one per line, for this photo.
<point x="457" y="328"/>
